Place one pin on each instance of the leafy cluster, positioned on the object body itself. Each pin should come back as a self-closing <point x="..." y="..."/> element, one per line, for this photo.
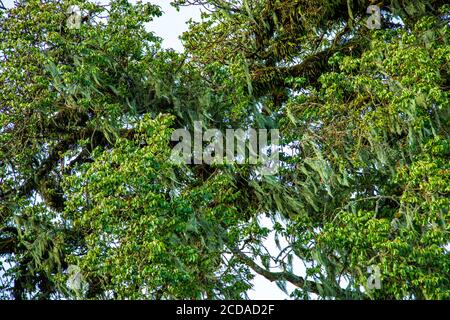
<point x="86" y="117"/>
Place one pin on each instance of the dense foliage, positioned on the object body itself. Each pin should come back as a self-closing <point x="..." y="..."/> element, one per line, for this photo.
<point x="86" y="117"/>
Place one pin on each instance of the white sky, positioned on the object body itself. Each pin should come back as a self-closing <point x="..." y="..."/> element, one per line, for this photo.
<point x="172" y="23"/>
<point x="169" y="27"/>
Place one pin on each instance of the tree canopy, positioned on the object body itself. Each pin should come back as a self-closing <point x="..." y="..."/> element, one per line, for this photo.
<point x="86" y="117"/>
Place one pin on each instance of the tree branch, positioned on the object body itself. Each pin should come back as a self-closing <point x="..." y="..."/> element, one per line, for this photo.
<point x="297" y="281"/>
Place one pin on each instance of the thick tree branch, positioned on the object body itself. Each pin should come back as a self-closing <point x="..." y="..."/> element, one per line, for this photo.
<point x="312" y="67"/>
<point x="300" y="282"/>
<point x="8" y="245"/>
<point x="297" y="281"/>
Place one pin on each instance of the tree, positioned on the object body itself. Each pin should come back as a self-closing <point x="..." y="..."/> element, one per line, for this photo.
<point x="362" y="109"/>
<point x="72" y="97"/>
<point x="86" y="117"/>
